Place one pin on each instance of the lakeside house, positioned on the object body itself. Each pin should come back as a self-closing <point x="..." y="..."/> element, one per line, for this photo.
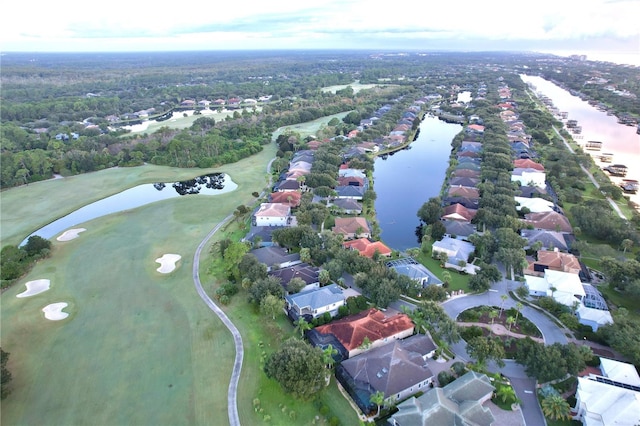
<point x="315" y="302"/>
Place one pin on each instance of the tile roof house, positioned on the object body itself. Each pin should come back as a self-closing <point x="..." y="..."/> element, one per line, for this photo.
<point x="528" y="164"/>
<point x="475" y="128"/>
<point x="350" y="191"/>
<point x="353" y="181"/>
<point x="466" y="173"/>
<point x="261" y="234"/>
<point x="276" y="257"/>
<point x="372" y="324"/>
<point x="458" y="212"/>
<point x="532" y="191"/>
<point x="456" y="250"/>
<point x="461" y="230"/>
<point x="289" y="198"/>
<point x="458" y="403"/>
<point x="398" y="370"/>
<point x="551" y="221"/>
<point x="554" y="260"/>
<point x="352" y="227"/>
<point x="413" y="269"/>
<point x="347" y="172"/>
<point x="314" y="303"/>
<point x="464" y="181"/>
<point x="463" y="191"/>
<point x="272" y="214"/>
<point x="287" y="185"/>
<point x="368" y="248"/>
<point x="602" y="404"/>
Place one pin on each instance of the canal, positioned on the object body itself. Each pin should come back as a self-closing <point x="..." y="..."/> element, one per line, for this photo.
<point x="406" y="179"/>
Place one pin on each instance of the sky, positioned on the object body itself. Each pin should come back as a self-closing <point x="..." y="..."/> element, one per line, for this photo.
<point x="572" y="26"/>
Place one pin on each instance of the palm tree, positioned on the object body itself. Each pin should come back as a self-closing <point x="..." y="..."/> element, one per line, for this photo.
<point x="504" y="298"/>
<point x="510" y="322"/>
<point x="302" y="325"/>
<point x="327" y="356"/>
<point x="519" y="306"/>
<point x="378" y="399"/>
<point x="626" y="244"/>
<point x="506" y="393"/>
<point x="556" y="408"/>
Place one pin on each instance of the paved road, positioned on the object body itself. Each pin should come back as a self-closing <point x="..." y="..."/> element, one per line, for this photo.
<point x="232" y="402"/>
<point x="591" y="178"/>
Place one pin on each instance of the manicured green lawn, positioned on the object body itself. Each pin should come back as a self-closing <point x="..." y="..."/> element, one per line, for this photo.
<point x="310" y="127"/>
<point x="458" y="281"/>
<point x="138" y="347"/>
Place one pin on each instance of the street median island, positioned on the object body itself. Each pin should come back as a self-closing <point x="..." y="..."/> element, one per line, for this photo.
<point x="168" y="263"/>
<point x="54" y="312"/>
<point x="70" y="234"/>
<point x="35" y="287"/>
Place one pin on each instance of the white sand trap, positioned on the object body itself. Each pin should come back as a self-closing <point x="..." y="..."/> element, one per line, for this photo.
<point x="54" y="312"/>
<point x="35" y="287"/>
<point x="168" y="263"/>
<point x="70" y="234"/>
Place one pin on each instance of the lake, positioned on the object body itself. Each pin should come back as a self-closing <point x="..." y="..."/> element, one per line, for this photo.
<point x="406" y="179"/>
<point x="212" y="184"/>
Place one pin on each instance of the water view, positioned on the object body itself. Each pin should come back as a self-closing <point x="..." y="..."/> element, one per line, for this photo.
<point x="211" y="184"/>
<point x="406" y="179"/>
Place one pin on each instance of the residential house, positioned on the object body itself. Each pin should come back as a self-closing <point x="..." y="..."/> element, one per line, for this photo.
<point x="464" y="181"/>
<point x="352" y="227"/>
<point x="347" y="205"/>
<point x="413" y="269"/>
<point x="532" y="192"/>
<point x="470" y="203"/>
<point x="474" y="129"/>
<point x="458" y="212"/>
<point x="276" y="257"/>
<point x="289" y="198"/>
<point x="551" y="221"/>
<point x="550" y="240"/>
<point x="307" y="273"/>
<point x="260" y="236"/>
<point x="529" y="177"/>
<point x="603" y="403"/>
<point x="527" y="163"/>
<point x="554" y="260"/>
<point x="466" y="173"/>
<point x="348" y="172"/>
<point x="314" y="303"/>
<point x="457" y="251"/>
<point x="398" y="369"/>
<point x="188" y="103"/>
<point x="620" y="372"/>
<point x="534" y="205"/>
<point x="458" y="230"/>
<point x="272" y="214"/>
<point x="458" y="403"/>
<point x="287" y="185"/>
<point x="564" y="287"/>
<point x="363" y="331"/>
<point x="368" y="248"/>
<point x="353" y="181"/>
<point x="592" y="317"/>
<point x="350" y="191"/>
<point x="463" y="192"/>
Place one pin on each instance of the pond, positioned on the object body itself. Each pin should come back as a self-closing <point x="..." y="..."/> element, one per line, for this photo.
<point x="211" y="184"/>
<point x="406" y="179"/>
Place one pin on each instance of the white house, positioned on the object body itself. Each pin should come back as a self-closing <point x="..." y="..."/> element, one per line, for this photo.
<point x="457" y="251"/>
<point x="272" y="214"/>
<point x="534" y="205"/>
<point x="602" y="404"/>
<point x="564" y="287"/>
<point x="529" y="177"/>
<point x="594" y="318"/>
<point x="620" y="372"/>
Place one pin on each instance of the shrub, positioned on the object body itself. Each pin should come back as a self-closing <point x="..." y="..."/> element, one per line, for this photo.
<point x="444" y="378"/>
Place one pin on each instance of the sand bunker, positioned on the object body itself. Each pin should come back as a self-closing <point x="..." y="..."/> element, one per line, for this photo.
<point x="35" y="287"/>
<point x="54" y="312"/>
<point x="70" y="234"/>
<point x="168" y="263"/>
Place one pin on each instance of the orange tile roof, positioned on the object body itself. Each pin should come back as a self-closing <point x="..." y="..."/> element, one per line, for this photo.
<point x="368" y="248"/>
<point x="290" y="198"/>
<point x="352" y="330"/>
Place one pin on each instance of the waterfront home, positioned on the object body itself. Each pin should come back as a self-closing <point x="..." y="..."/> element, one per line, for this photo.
<point x="364" y="331"/>
<point x="276" y="257"/>
<point x="352" y="227"/>
<point x="368" y="248"/>
<point x="458" y="403"/>
<point x="398" y="369"/>
<point x="463" y="191"/>
<point x="272" y="214"/>
<point x="464" y="181"/>
<point x="458" y="230"/>
<point x="346" y="205"/>
<point x="458" y="212"/>
<point x="350" y="191"/>
<point x="458" y="253"/>
<point x="315" y="303"/>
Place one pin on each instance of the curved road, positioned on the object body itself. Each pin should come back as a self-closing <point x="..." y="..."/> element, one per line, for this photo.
<point x="232" y="404"/>
<point x="232" y="394"/>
